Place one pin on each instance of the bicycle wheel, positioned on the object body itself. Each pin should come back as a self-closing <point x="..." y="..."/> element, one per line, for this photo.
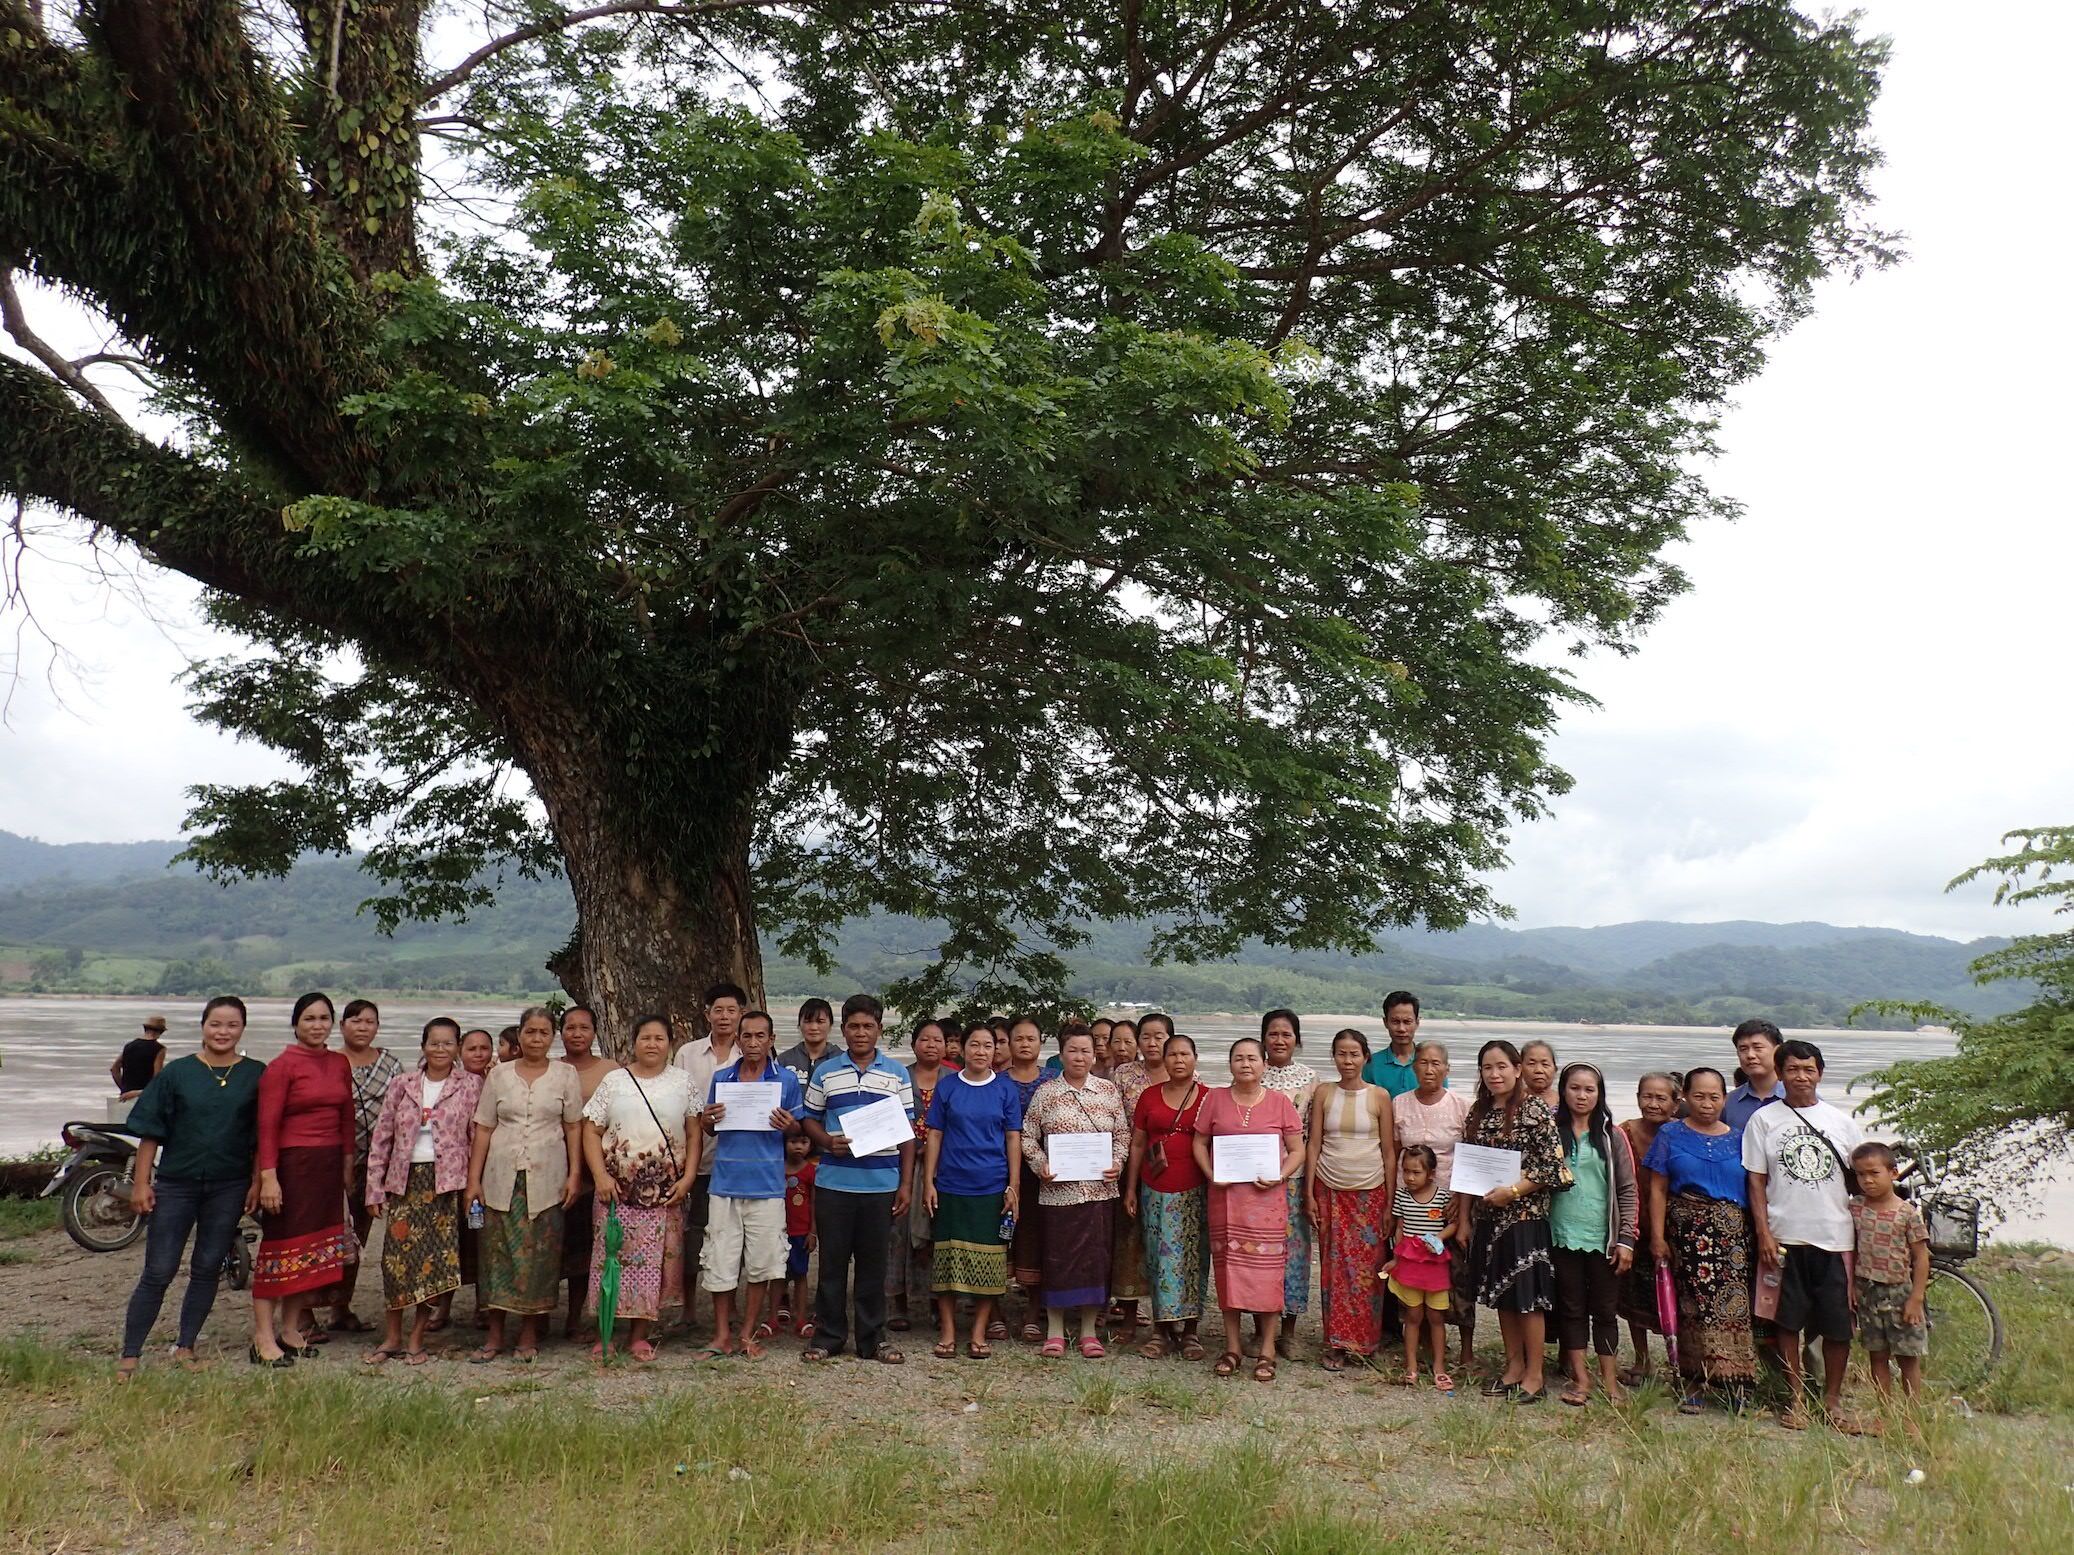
<point x="1965" y="1330"/>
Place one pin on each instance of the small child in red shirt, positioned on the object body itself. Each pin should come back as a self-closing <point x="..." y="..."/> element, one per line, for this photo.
<point x="799" y="1230"/>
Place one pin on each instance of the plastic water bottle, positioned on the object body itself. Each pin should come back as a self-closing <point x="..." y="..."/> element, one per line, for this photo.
<point x="1007" y="1228"/>
<point x="1434" y="1245"/>
<point x="475" y="1215"/>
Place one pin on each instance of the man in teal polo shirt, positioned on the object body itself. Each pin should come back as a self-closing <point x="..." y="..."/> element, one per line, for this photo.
<point x="1391" y="1067"/>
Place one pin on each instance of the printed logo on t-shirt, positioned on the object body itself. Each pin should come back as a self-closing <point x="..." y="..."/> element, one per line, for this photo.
<point x="1805" y="1157"/>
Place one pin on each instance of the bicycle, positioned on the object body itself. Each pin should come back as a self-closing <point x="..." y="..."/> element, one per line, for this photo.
<point x="1965" y="1325"/>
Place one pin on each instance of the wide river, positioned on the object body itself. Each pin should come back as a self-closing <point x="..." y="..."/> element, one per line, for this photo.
<point x="54" y="1057"/>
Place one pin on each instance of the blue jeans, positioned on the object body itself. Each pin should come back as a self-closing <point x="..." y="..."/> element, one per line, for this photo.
<point x="210" y="1211"/>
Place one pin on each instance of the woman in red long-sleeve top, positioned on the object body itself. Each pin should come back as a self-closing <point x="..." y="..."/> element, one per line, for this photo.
<point x="305" y="1151"/>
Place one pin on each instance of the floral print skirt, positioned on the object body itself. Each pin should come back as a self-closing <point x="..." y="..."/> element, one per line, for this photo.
<point x="1710" y="1269"/>
<point x="421" y="1242"/>
<point x="1174" y="1233"/>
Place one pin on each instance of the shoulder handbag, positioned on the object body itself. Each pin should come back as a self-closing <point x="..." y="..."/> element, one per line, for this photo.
<point x="669" y="1149"/>
<point x="1156" y="1152"/>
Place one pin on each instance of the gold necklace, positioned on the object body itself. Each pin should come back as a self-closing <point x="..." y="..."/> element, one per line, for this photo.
<point x="221" y="1075"/>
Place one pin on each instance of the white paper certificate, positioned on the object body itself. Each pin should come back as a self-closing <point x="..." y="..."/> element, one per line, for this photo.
<point x="876" y="1127"/>
<point x="749" y="1103"/>
<point x="1079" y="1157"/>
<point x="1245" y="1157"/>
<point x="1479" y="1169"/>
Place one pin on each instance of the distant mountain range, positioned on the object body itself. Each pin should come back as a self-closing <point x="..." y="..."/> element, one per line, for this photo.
<point x="112" y="917"/>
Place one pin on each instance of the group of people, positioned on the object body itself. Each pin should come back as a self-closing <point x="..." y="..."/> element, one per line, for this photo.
<point x="1078" y="1196"/>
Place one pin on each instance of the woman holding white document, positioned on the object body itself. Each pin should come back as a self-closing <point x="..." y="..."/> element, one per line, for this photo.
<point x="1510" y="1258"/>
<point x="1248" y="1140"/>
<point x="1076" y="1137"/>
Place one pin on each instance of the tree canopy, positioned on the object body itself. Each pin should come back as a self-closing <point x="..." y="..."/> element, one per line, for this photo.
<point x="1009" y="464"/>
<point x="2001" y="1108"/>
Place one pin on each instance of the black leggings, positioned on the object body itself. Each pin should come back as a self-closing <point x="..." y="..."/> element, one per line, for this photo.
<point x="1587" y="1294"/>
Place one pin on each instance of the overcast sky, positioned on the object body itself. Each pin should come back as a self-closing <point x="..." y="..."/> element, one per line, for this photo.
<point x="1862" y="691"/>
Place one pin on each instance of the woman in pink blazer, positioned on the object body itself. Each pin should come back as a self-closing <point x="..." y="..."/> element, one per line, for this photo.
<point x="417" y="1165"/>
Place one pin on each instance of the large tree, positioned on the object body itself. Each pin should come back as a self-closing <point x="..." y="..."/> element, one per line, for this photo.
<point x="1004" y="463"/>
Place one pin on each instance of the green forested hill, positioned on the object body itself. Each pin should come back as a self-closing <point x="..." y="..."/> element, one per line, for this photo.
<point x="65" y="925"/>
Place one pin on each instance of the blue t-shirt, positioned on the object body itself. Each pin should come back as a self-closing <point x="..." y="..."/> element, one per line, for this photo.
<point x="1744" y="1103"/>
<point x="837" y="1086"/>
<point x="974" y="1119"/>
<point x="1708" y="1164"/>
<point x="750" y="1163"/>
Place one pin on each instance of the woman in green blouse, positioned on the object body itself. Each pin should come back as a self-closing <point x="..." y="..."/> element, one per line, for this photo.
<point x="197" y="1126"/>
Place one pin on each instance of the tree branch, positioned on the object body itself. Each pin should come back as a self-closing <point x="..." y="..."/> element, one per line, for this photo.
<point x="17" y="323"/>
<point x="440" y="86"/>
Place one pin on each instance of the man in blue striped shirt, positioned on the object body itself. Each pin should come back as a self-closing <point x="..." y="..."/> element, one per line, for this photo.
<point x="856" y="1198"/>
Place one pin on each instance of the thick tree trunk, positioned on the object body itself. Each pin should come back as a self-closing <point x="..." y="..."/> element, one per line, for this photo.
<point x="650" y="943"/>
<point x="658" y="919"/>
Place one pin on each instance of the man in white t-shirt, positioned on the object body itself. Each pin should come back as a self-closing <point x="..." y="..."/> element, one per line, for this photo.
<point x="1797" y="1153"/>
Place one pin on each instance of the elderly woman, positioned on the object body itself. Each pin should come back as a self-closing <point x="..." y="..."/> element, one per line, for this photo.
<point x="1510" y="1249"/>
<point x="1130" y="1074"/>
<point x="417" y="1165"/>
<point x="643" y="1158"/>
<point x="525" y="1170"/>
<point x="1434" y="1116"/>
<point x="1077" y="1236"/>
<point x="1699" y="1223"/>
<point x="1347" y="1168"/>
<point x="373" y="1071"/>
<point x="1249" y="1221"/>
<point x="1165" y="1193"/>
<point x="305" y="1151"/>
<point x="197" y="1123"/>
<point x="1281" y="1033"/>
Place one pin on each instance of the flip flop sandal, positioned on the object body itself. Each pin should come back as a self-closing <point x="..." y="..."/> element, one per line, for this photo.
<point x="1522" y="1397"/>
<point x="1496" y="1389"/>
<point x="979" y="1350"/>
<point x="416" y="1357"/>
<point x="378" y="1356"/>
<point x="886" y="1355"/>
<point x="1574" y="1399"/>
<point x="527" y="1355"/>
<point x="709" y="1353"/>
<point x="751" y="1350"/>
<point x="638" y="1346"/>
<point x="812" y="1353"/>
<point x="484" y="1356"/>
<point x="1227" y="1363"/>
<point x="1443" y="1383"/>
<point x="945" y="1350"/>
<point x="1332" y="1360"/>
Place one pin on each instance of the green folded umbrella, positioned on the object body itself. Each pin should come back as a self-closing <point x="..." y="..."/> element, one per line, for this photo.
<point x="608" y="1280"/>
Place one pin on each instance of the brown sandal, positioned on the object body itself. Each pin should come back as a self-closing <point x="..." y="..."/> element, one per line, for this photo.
<point x="1227" y="1363"/>
<point x="1155" y="1348"/>
<point x="1191" y="1348"/>
<point x="1264" y="1369"/>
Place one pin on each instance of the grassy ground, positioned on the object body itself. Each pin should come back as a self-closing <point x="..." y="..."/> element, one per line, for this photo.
<point x="22" y="1218"/>
<point x="1129" y="1457"/>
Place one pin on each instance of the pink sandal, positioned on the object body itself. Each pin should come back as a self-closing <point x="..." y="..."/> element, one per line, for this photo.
<point x="1052" y="1349"/>
<point x="1091" y="1347"/>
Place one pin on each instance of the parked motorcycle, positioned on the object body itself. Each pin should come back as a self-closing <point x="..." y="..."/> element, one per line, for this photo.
<point x="95" y="1183"/>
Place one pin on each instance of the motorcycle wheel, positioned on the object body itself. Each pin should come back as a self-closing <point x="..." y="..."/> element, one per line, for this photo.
<point x="237" y="1267"/>
<point x="97" y="1211"/>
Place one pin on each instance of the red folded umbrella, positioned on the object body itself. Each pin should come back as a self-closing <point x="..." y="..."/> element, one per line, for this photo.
<point x="1667" y="1311"/>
